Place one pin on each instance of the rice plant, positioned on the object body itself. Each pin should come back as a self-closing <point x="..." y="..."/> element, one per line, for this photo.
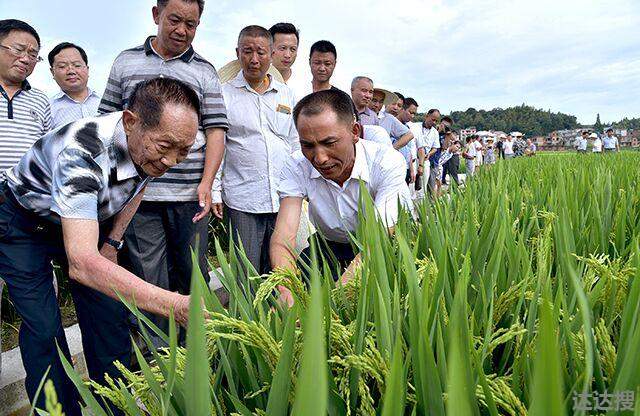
<point x="512" y="296"/>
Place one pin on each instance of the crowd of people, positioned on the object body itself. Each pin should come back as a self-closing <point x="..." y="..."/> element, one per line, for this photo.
<point x="116" y="188"/>
<point x="608" y="143"/>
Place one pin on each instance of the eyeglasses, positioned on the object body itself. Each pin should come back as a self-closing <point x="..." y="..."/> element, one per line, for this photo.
<point x="19" y="52"/>
<point x="75" y="65"/>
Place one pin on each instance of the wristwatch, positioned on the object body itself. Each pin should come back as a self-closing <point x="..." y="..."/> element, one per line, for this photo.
<point x="114" y="243"/>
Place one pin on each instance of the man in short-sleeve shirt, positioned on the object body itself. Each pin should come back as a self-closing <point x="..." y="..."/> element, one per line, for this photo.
<point x="328" y="171"/>
<point x="70" y="69"/>
<point x="25" y="114"/>
<point x="70" y="199"/>
<point x="261" y="137"/>
<point x="610" y="142"/>
<point x="175" y="210"/>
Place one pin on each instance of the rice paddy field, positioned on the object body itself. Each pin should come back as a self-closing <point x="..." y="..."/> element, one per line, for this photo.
<point x="517" y="295"/>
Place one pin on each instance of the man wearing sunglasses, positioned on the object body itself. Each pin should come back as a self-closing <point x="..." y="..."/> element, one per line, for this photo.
<point x="70" y="69"/>
<point x="25" y="114"/>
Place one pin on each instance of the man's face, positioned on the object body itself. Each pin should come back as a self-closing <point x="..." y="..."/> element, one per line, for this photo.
<point x="285" y="50"/>
<point x="158" y="149"/>
<point x="609" y="133"/>
<point x="322" y="65"/>
<point x="70" y="71"/>
<point x="432" y="119"/>
<point x="16" y="67"/>
<point x="361" y="93"/>
<point x="407" y="115"/>
<point x="177" y="23"/>
<point x="328" y="143"/>
<point x="377" y="101"/>
<point x="392" y="108"/>
<point x="254" y="54"/>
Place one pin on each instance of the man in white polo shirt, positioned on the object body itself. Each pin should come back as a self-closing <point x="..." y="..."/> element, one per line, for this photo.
<point x="610" y="142"/>
<point x="328" y="171"/>
<point x="261" y="137"/>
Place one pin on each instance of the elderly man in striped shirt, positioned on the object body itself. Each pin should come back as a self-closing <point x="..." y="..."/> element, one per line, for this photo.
<point x="175" y="210"/>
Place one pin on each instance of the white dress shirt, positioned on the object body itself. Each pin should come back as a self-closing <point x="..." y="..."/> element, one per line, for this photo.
<point x="610" y="143"/>
<point x="260" y="139"/>
<point x="597" y="146"/>
<point x="376" y="134"/>
<point x="65" y="109"/>
<point x="333" y="209"/>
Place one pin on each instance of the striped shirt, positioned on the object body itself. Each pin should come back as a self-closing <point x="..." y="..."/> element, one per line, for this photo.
<point x="65" y="109"/>
<point x="23" y="120"/>
<point x="141" y="63"/>
<point x="81" y="170"/>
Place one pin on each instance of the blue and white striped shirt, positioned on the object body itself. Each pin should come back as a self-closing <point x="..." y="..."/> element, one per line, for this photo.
<point x="65" y="109"/>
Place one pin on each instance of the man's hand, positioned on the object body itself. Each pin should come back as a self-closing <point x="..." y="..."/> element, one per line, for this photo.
<point x="218" y="209"/>
<point x="110" y="253"/>
<point x="412" y="175"/>
<point x="286" y="297"/>
<point x="204" y="198"/>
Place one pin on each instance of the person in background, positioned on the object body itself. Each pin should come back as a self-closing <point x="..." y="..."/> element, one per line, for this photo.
<point x="531" y="148"/>
<point x="70" y="198"/>
<point x="260" y="140"/>
<point x="25" y="114"/>
<point x="500" y="145"/>
<point x="286" y="39"/>
<point x="597" y="143"/>
<point x="610" y="142"/>
<point x="394" y="109"/>
<point x="174" y="213"/>
<point x="490" y="156"/>
<point x="479" y="152"/>
<point x="451" y="166"/>
<point x="399" y="133"/>
<point x="329" y="171"/>
<point x="507" y="147"/>
<point x="431" y="149"/>
<point x="406" y="115"/>
<point x="581" y="142"/>
<point x="322" y="62"/>
<point x="469" y="155"/>
<point x="361" y="94"/>
<point x="70" y="69"/>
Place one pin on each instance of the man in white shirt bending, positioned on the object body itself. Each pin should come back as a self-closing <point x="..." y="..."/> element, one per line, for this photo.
<point x="329" y="170"/>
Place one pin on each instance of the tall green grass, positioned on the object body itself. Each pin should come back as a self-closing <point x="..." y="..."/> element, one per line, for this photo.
<point x="504" y="298"/>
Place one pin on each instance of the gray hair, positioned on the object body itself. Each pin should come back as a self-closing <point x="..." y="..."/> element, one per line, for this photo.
<point x="358" y="79"/>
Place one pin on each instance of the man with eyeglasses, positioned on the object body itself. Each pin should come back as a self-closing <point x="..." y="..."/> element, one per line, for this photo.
<point x="70" y="70"/>
<point x="25" y="114"/>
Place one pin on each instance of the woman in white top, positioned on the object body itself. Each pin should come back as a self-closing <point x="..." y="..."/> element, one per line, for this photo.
<point x="507" y="146"/>
<point x="479" y="149"/>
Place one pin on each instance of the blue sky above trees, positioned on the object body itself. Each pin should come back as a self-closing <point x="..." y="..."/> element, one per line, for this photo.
<point x="575" y="56"/>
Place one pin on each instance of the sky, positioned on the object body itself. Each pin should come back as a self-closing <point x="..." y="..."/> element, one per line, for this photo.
<point x="574" y="56"/>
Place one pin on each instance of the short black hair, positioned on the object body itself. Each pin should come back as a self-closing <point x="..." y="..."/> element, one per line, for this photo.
<point x="433" y="110"/>
<point x="408" y="102"/>
<point x="609" y="130"/>
<point x="163" y="3"/>
<point x="284" y="29"/>
<point x="149" y="98"/>
<point x="399" y="96"/>
<point x="335" y="100"/>
<point x="66" y="45"/>
<point x="323" y="46"/>
<point x="255" y="31"/>
<point x="9" y="25"/>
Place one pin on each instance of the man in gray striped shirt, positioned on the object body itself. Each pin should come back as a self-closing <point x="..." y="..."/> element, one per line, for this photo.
<point x="175" y="208"/>
<point x="25" y="114"/>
